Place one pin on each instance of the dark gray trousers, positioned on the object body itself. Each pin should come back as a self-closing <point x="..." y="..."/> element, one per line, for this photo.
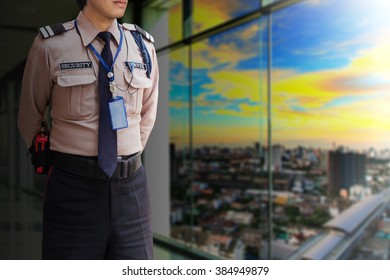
<point x="86" y="218"/>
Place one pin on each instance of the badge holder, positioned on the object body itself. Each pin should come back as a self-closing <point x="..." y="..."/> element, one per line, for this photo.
<point x="117" y="110"/>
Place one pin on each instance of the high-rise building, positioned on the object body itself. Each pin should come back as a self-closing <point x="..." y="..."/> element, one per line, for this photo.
<point x="345" y="169"/>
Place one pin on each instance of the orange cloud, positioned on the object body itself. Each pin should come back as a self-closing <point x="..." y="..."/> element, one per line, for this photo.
<point x="349" y="104"/>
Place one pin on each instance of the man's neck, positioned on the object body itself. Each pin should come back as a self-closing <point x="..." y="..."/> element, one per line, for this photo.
<point x="100" y="22"/>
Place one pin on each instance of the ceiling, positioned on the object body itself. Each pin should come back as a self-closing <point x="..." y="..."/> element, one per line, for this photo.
<point x="19" y="22"/>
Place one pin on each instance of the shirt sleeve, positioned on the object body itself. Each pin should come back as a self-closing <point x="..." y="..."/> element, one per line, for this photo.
<point x="36" y="90"/>
<point x="150" y="98"/>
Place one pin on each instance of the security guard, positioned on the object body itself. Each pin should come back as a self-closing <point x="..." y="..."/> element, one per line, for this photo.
<point x="101" y="80"/>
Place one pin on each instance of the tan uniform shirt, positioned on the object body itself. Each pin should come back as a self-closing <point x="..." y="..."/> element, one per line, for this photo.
<point x="64" y="70"/>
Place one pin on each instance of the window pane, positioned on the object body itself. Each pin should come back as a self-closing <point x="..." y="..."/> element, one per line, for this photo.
<point x="224" y="203"/>
<point x="330" y="122"/>
<point x="208" y="13"/>
<point x="180" y="160"/>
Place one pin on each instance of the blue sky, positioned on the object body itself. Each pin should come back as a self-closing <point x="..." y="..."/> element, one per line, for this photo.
<point x="329" y="64"/>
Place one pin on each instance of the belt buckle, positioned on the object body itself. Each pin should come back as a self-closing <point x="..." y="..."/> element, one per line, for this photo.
<point x="123" y="169"/>
<point x="124" y="166"/>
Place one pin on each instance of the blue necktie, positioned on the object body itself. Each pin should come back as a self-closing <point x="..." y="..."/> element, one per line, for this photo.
<point x="107" y="141"/>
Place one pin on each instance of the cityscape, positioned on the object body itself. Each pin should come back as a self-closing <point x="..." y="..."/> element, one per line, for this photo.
<point x="330" y="128"/>
<point x="225" y="211"/>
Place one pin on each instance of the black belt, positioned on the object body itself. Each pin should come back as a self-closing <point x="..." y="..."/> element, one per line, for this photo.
<point x="88" y="166"/>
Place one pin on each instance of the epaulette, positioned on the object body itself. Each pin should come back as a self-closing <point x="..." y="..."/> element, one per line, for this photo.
<point x="52" y="30"/>
<point x="135" y="27"/>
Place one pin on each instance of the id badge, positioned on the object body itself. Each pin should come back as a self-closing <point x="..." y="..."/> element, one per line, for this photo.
<point x="118" y="113"/>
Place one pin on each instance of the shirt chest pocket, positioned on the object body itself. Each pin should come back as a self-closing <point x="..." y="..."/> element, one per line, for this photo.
<point x="136" y="83"/>
<point x="74" y="97"/>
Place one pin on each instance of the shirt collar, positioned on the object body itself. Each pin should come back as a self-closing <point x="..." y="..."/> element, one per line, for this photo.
<point x="88" y="31"/>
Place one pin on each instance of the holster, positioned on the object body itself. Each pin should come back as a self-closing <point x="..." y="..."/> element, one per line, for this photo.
<point x="40" y="152"/>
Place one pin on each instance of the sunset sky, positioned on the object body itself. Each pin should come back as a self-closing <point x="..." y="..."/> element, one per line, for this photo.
<point x="331" y="76"/>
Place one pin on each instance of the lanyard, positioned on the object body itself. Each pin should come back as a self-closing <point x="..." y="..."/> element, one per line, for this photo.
<point x="108" y="68"/>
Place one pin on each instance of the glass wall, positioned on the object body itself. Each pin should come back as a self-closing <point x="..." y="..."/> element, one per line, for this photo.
<point x="180" y="152"/>
<point x="308" y="178"/>
<point x="207" y="14"/>
<point x="228" y="138"/>
<point x="329" y="112"/>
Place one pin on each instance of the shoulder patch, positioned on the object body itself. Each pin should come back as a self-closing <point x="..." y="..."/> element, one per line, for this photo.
<point x="134" y="27"/>
<point x="52" y="30"/>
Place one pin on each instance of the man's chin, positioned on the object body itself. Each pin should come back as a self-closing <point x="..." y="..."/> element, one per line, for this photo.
<point x="119" y="14"/>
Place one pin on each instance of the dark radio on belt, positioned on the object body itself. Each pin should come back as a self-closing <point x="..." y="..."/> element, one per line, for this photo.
<point x="40" y="152"/>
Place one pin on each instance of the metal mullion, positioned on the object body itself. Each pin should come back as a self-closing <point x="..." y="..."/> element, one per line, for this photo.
<point x="269" y="135"/>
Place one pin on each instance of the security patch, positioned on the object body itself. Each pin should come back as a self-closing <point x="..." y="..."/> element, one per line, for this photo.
<point x="138" y="65"/>
<point x="75" y="65"/>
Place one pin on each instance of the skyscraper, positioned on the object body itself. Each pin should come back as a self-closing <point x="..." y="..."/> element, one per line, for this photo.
<point x="345" y="169"/>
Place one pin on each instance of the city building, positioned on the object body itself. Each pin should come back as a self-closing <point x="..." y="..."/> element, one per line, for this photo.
<point x="346" y="169"/>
